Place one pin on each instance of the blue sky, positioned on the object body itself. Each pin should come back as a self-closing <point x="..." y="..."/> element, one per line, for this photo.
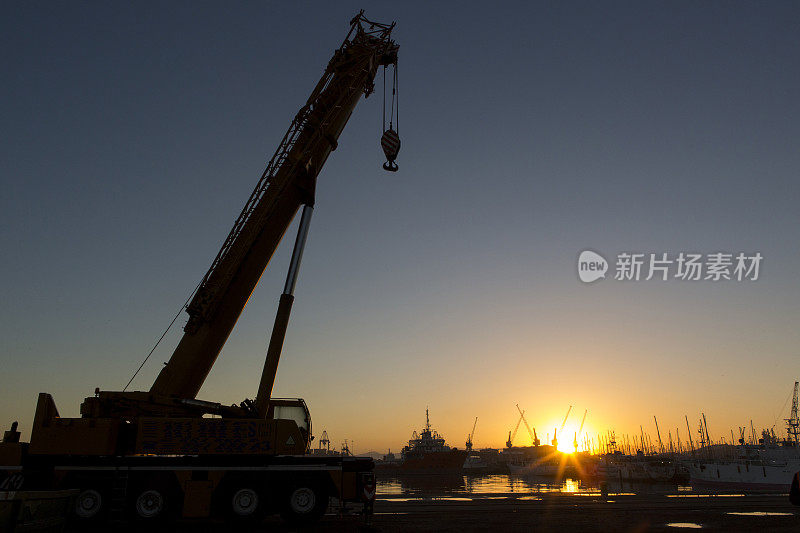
<point x="133" y="133"/>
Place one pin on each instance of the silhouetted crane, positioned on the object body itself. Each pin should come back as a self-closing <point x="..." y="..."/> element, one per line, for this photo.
<point x="580" y="429"/>
<point x="469" y="438"/>
<point x="511" y="435"/>
<point x="324" y="441"/>
<point x="532" y="433"/>
<point x="793" y="422"/>
<point x="565" y="419"/>
<point x="555" y="432"/>
<point x="575" y="443"/>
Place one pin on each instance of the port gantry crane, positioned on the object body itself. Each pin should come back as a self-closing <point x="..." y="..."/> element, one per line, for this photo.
<point x="168" y="421"/>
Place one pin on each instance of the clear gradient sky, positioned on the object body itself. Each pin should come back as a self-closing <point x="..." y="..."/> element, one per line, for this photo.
<point x="133" y="132"/>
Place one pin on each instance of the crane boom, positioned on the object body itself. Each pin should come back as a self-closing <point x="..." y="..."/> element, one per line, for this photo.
<point x="531" y="433"/>
<point x="565" y="418"/>
<point x="288" y="183"/>
<point x="580" y="429"/>
<point x="512" y="435"/>
<point x="471" y="435"/>
<point x="516" y="427"/>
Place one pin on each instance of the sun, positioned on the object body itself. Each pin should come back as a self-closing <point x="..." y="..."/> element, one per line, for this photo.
<point x="565" y="446"/>
<point x="568" y="436"/>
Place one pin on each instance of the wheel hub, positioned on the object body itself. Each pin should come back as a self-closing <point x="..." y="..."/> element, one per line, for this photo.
<point x="303" y="500"/>
<point x="149" y="504"/>
<point x="88" y="503"/>
<point x="245" y="502"/>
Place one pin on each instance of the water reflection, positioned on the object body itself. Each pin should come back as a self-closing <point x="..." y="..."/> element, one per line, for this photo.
<point x="510" y="485"/>
<point x="760" y="513"/>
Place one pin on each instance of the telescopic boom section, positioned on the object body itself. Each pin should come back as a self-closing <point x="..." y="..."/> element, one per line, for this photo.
<point x="288" y="183"/>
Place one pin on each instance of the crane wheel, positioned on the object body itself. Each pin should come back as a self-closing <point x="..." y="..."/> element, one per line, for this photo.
<point x="245" y="504"/>
<point x="305" y="503"/>
<point x="150" y="505"/>
<point x="90" y="505"/>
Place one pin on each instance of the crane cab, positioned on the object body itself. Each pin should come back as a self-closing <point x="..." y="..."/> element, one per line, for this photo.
<point x="296" y="410"/>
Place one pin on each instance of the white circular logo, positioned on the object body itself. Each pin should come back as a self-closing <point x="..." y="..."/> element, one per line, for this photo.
<point x="591" y="266"/>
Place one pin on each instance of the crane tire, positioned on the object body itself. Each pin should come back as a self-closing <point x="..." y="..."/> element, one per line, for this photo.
<point x="90" y="505"/>
<point x="150" y="504"/>
<point x="304" y="503"/>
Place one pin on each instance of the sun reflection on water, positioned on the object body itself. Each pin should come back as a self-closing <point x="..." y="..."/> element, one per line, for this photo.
<point x="515" y="486"/>
<point x="433" y="485"/>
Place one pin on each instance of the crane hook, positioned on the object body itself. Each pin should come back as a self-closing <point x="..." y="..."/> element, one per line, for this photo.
<point x="390" y="142"/>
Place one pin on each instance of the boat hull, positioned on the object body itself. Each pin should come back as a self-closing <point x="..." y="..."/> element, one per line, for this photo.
<point x="436" y="462"/>
<point x="740" y="475"/>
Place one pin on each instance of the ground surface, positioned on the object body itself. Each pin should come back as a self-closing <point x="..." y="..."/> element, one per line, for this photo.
<point x="552" y="512"/>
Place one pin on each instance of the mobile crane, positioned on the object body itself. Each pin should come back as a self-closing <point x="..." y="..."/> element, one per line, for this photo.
<point x="156" y="453"/>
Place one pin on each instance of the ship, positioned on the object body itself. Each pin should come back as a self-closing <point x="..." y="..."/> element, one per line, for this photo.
<point x="474" y="464"/>
<point x="427" y="452"/>
<point x="544" y="461"/>
<point x="769" y="464"/>
<point x="766" y="466"/>
<point x="658" y="468"/>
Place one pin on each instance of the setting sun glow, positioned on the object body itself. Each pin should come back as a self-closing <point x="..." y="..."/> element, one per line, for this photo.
<point x="572" y="438"/>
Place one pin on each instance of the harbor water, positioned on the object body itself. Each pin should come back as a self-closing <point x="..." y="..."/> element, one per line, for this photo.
<point x="481" y="486"/>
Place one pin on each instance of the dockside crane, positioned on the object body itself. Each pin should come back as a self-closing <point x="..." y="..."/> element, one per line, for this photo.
<point x="555" y="431"/>
<point x="583" y="421"/>
<point x="580" y="429"/>
<point x="472" y="434"/>
<point x="166" y="431"/>
<point x="793" y="422"/>
<point x="531" y="432"/>
<point x="565" y="419"/>
<point x="325" y="442"/>
<point x="510" y="441"/>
